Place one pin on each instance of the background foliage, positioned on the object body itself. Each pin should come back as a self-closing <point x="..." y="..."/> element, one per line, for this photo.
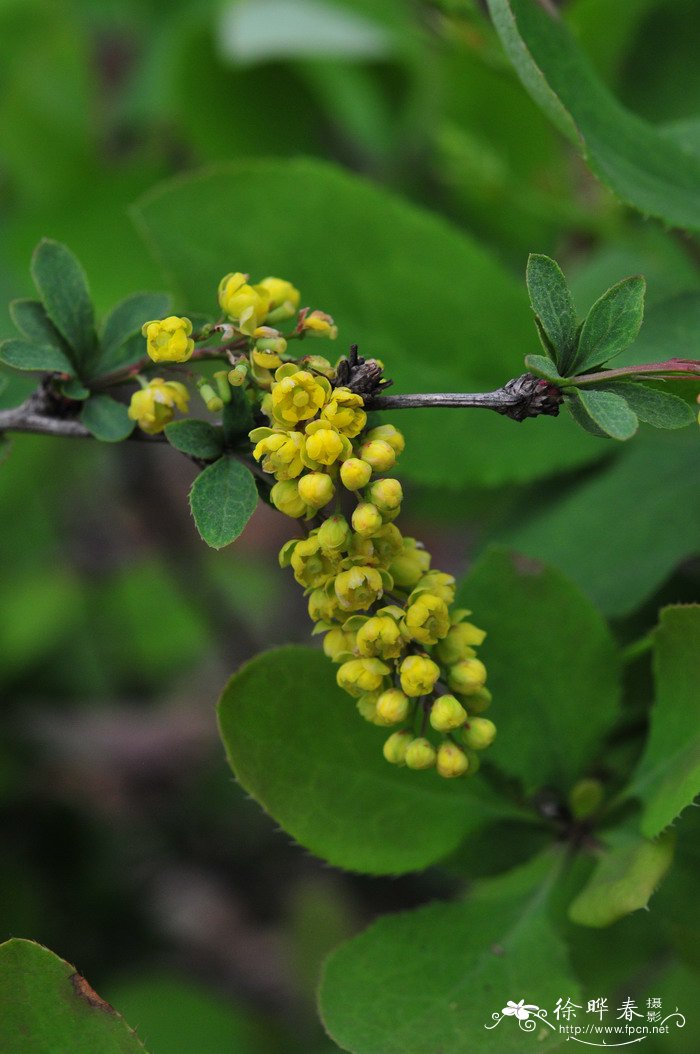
<point x="397" y="162"/>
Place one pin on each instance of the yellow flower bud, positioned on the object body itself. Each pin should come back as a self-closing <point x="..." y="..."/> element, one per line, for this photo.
<point x="420" y="754"/>
<point x="427" y="619"/>
<point x="355" y="474"/>
<point x="361" y="675"/>
<point x="319" y="324"/>
<point x="245" y="304"/>
<point x="285" y="497"/>
<point x="211" y="400"/>
<point x="467" y="676"/>
<point x="323" y="444"/>
<point x="321" y="606"/>
<point x="380" y="636"/>
<point x="358" y="588"/>
<point x="390" y="435"/>
<point x="344" y="412"/>
<point x="153" y="407"/>
<point x="459" y="642"/>
<point x="447" y="714"/>
<point x="334" y="533"/>
<point x="395" y="748"/>
<point x="366" y="519"/>
<point x="338" y="644"/>
<point x="378" y="454"/>
<point x="479" y="733"/>
<point x="298" y="397"/>
<point x="283" y="298"/>
<point x="386" y="494"/>
<point x="392" y="707"/>
<point x="319" y="364"/>
<point x="451" y="761"/>
<point x="439" y="583"/>
<point x="168" y="339"/>
<point x="409" y="566"/>
<point x="480" y="701"/>
<point x="367" y="707"/>
<point x="281" y="454"/>
<point x="316" y="489"/>
<point x="238" y="375"/>
<point x="418" y="675"/>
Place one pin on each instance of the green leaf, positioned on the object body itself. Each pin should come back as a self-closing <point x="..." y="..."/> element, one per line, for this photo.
<point x="22" y="355"/>
<point x="611" y="325"/>
<point x="223" y="498"/>
<point x="551" y="659"/>
<point x="75" y="389"/>
<point x="107" y="419"/>
<point x="125" y="320"/>
<point x="626" y="876"/>
<point x="45" y="1005"/>
<point x="618" y="534"/>
<point x="433" y="980"/>
<point x="438" y="272"/>
<point x="297" y="744"/>
<point x="30" y="318"/>
<point x="652" y="405"/>
<point x="608" y="412"/>
<point x="196" y="438"/>
<point x="668" y="777"/>
<point x="552" y="303"/>
<point x="542" y="367"/>
<point x="640" y="164"/>
<point x="62" y="285"/>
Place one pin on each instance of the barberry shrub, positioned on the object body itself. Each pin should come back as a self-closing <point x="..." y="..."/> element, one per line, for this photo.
<point x="564" y="803"/>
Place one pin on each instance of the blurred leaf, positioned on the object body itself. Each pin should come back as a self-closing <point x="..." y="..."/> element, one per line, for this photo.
<point x="643" y="167"/>
<point x="196" y="438"/>
<point x="608" y="411"/>
<point x="39" y="610"/>
<point x="62" y="285"/>
<point x="668" y="777"/>
<point x="178" y="1016"/>
<point x="631" y="507"/>
<point x="552" y="303"/>
<point x="45" y="1005"/>
<point x="430" y="980"/>
<point x="671" y="329"/>
<point x="125" y="320"/>
<point x="297" y="744"/>
<point x="223" y="498"/>
<point x="31" y="320"/>
<point x="22" y="355"/>
<point x="107" y="419"/>
<point x="258" y="30"/>
<point x="652" y="405"/>
<point x="237" y="419"/>
<point x="392" y="312"/>
<point x="550" y="658"/>
<point x="677" y="905"/>
<point x="626" y="876"/>
<point x="611" y="325"/>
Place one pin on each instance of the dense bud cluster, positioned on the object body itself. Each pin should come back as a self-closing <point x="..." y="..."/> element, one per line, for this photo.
<point x="403" y="651"/>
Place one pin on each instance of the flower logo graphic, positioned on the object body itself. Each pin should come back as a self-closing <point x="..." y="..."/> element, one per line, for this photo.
<point x="521" y="1010"/>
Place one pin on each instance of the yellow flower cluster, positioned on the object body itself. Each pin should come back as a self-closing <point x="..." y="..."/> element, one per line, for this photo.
<point x="403" y="651"/>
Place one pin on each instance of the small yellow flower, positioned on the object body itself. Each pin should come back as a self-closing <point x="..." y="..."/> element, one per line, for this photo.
<point x="451" y="761"/>
<point x="408" y="567"/>
<point x="395" y="748"/>
<point x="420" y="754"/>
<point x="387" y="543"/>
<point x="362" y="675"/>
<point x="168" y="340"/>
<point x="283" y="298"/>
<point x="386" y="494"/>
<point x="479" y="733"/>
<point x="319" y="324"/>
<point x="338" y="644"/>
<point x="321" y="605"/>
<point x="390" y="435"/>
<point x="358" y="588"/>
<point x="266" y="353"/>
<point x="154" y="407"/>
<point x="418" y="675"/>
<point x="298" y="397"/>
<point x="427" y="619"/>
<point x="285" y="497"/>
<point x="439" y="583"/>
<point x="392" y="707"/>
<point x="366" y="519"/>
<point x="447" y="714"/>
<point x="355" y="474"/>
<point x="380" y="636"/>
<point x="467" y="676"/>
<point x="334" y="533"/>
<point x="281" y="454"/>
<point x="245" y="304"/>
<point x="312" y="565"/>
<point x="344" y="412"/>
<point x="459" y="642"/>
<point x="316" y="489"/>
<point x="379" y="454"/>
<point x="323" y="444"/>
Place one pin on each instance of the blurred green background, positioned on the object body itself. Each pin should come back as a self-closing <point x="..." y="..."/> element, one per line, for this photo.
<point x="128" y="848"/>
